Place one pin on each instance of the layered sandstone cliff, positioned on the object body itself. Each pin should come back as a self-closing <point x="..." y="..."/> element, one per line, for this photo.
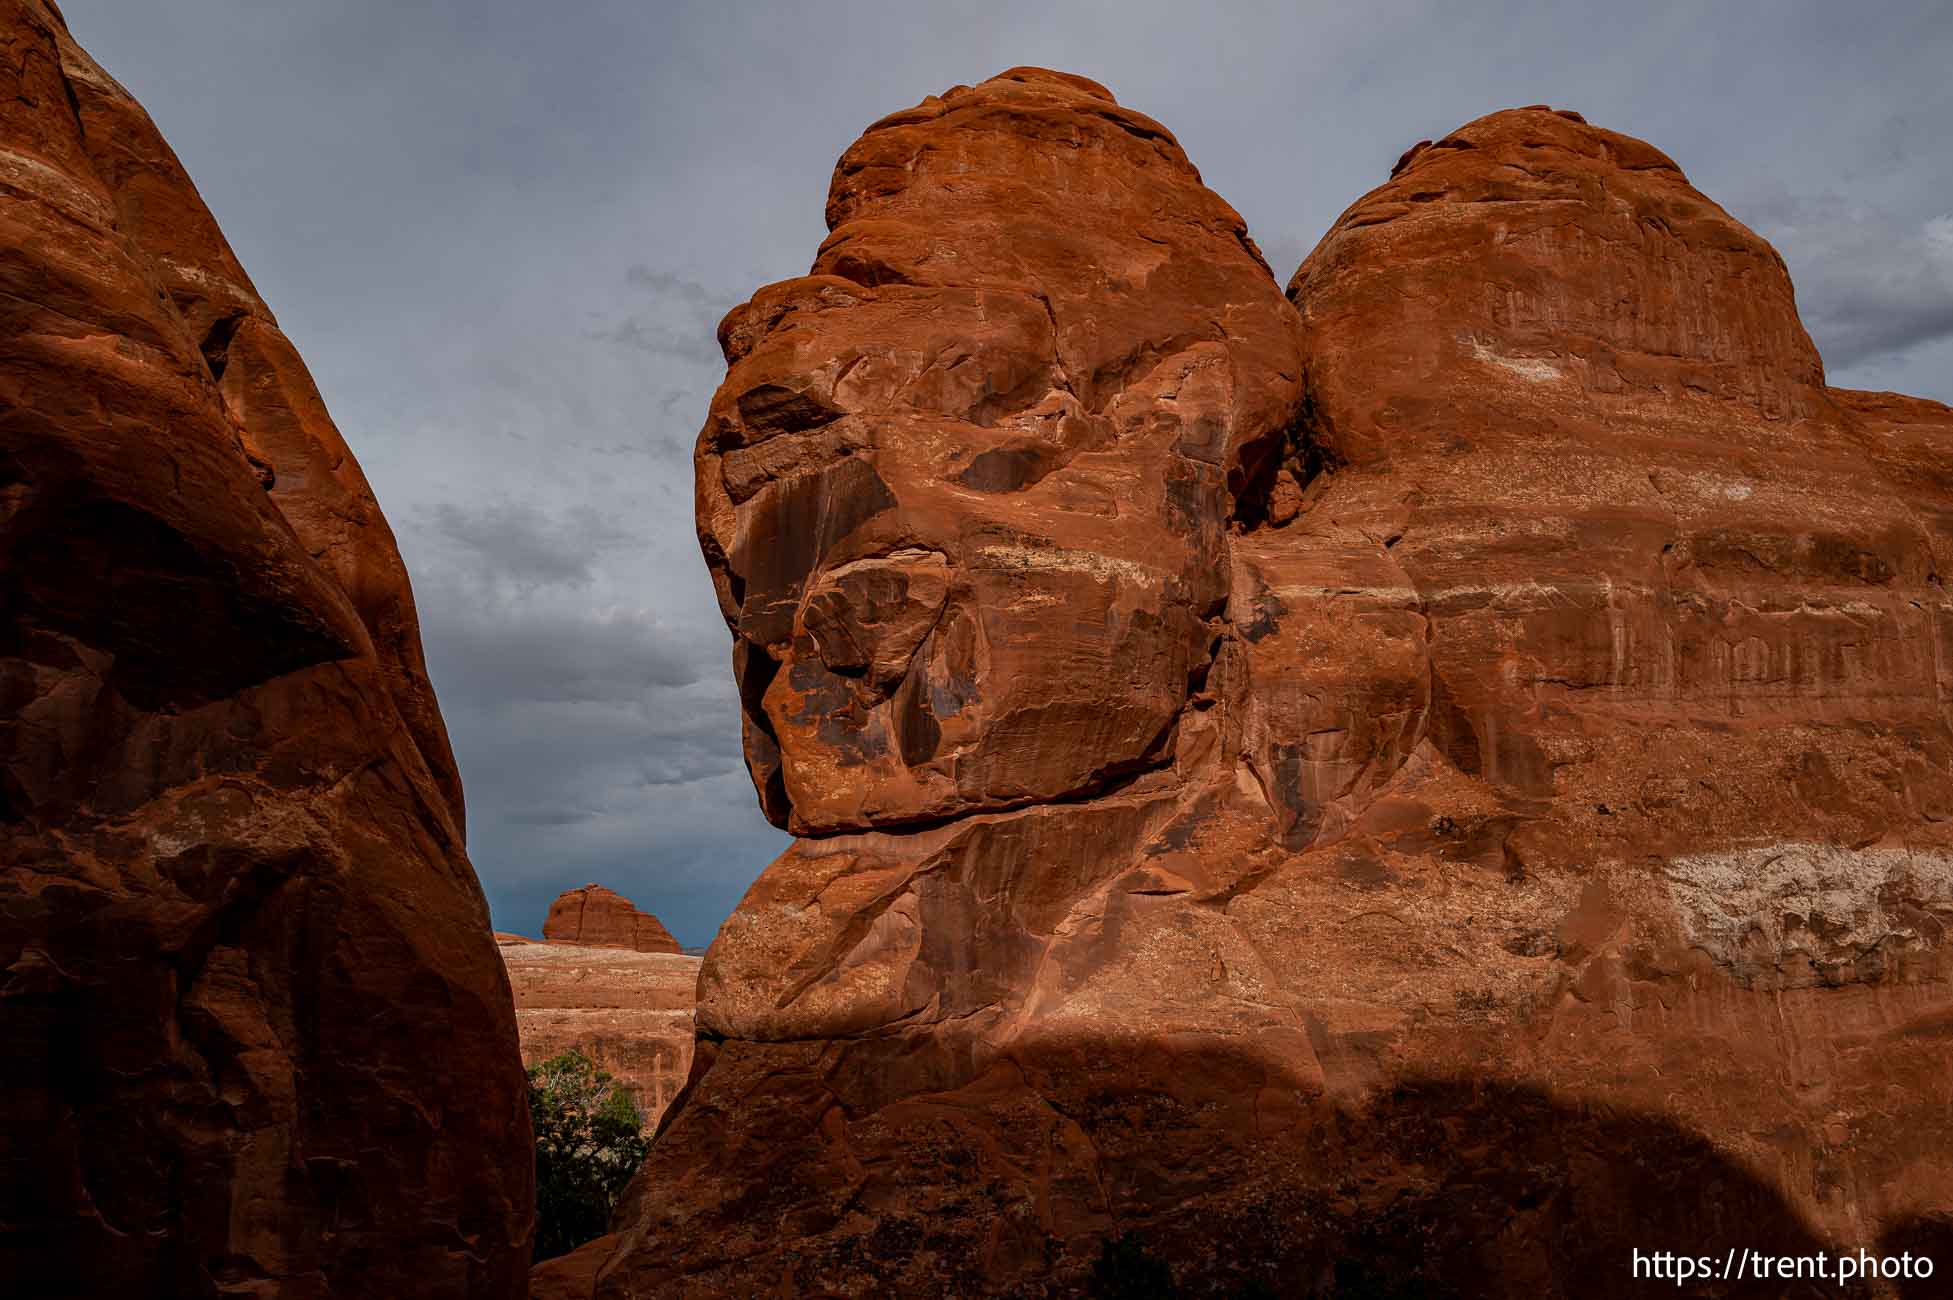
<point x="1421" y="786"/>
<point x="254" y="1035"/>
<point x="611" y="983"/>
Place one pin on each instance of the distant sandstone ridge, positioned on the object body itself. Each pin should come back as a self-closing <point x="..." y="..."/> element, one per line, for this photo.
<point x="609" y="981"/>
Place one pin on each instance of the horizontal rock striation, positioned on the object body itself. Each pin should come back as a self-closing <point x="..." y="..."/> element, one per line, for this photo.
<point x="254" y="1036"/>
<point x="629" y="1011"/>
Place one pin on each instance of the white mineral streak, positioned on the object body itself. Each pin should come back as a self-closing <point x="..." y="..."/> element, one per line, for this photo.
<point x="1825" y="902"/>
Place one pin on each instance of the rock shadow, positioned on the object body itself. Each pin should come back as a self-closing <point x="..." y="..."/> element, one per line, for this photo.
<point x="1061" y="1168"/>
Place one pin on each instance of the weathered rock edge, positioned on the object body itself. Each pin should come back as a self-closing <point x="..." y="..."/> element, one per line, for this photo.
<point x="255" y="1037"/>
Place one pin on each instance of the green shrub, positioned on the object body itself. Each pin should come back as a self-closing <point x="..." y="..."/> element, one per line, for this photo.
<point x="590" y="1139"/>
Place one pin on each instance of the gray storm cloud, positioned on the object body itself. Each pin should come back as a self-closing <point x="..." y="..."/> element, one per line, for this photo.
<point x="1875" y="285"/>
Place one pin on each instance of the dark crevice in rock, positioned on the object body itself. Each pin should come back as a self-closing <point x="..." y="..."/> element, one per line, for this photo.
<point x="1110" y="782"/>
<point x="1268" y="488"/>
<point x="1009" y="469"/>
<point x="216" y="344"/>
<point x="74" y="101"/>
<point x="755" y="669"/>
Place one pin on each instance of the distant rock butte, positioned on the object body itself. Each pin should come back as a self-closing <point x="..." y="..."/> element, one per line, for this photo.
<point x="631" y="1012"/>
<point x="1422" y="785"/>
<point x="596" y="917"/>
<point x="255" y="1039"/>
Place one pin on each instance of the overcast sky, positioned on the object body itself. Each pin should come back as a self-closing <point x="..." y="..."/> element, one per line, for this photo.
<point x="502" y="233"/>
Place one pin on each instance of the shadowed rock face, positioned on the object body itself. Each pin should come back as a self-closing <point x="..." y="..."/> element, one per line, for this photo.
<point x="1421" y="788"/>
<point x="254" y="1035"/>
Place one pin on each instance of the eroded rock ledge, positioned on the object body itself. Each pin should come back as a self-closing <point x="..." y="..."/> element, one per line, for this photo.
<point x="1429" y="780"/>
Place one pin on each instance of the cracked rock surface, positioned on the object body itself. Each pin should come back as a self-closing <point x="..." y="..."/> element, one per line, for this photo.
<point x="255" y="1037"/>
<point x="1418" y="785"/>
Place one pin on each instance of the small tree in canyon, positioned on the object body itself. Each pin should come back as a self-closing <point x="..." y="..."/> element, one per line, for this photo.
<point x="590" y="1139"/>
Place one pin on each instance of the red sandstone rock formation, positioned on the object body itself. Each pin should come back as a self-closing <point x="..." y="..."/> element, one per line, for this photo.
<point x="596" y="917"/>
<point x="1006" y="405"/>
<point x="1426" y="789"/>
<point x="572" y="1276"/>
<point x="631" y="1012"/>
<point x="256" y="1038"/>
